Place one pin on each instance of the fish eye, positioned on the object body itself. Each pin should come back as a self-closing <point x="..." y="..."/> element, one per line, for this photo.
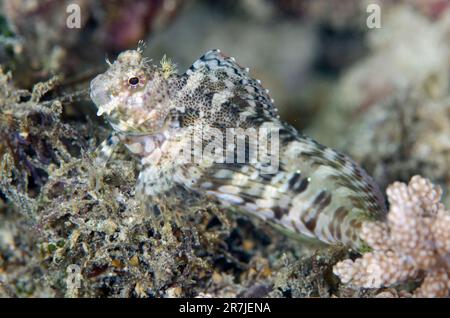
<point x="133" y="80"/>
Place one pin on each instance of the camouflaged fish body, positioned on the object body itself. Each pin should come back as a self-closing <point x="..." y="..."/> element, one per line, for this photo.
<point x="316" y="192"/>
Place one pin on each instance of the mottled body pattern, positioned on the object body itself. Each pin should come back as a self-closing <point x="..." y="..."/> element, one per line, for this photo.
<point x="317" y="192"/>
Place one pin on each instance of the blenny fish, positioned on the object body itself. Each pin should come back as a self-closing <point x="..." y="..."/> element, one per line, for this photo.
<point x="315" y="192"/>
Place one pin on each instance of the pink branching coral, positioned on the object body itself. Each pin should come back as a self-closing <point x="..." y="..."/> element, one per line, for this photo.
<point x="414" y="242"/>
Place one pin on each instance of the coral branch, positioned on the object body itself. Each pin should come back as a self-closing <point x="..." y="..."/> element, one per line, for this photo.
<point x="414" y="240"/>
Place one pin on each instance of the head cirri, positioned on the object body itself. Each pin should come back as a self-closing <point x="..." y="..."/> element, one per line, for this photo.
<point x="132" y="94"/>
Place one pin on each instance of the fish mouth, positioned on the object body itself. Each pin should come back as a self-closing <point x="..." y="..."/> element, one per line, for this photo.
<point x="99" y="92"/>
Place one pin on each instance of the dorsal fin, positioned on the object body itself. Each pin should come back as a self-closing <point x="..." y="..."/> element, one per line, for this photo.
<point x="215" y="64"/>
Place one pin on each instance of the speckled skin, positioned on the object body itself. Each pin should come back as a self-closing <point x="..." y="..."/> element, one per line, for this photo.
<point x="316" y="192"/>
